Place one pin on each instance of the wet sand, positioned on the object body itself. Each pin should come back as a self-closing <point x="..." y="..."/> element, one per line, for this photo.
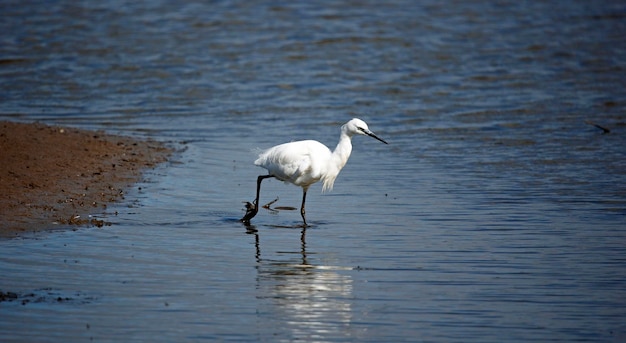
<point x="57" y="176"/>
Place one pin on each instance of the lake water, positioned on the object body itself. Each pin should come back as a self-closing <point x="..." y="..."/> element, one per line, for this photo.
<point x="496" y="213"/>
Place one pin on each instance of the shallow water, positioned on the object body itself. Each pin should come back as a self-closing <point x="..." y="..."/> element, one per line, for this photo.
<point x="495" y="214"/>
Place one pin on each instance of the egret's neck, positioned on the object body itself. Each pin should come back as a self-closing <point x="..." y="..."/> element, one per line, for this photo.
<point x="342" y="151"/>
<point x="338" y="159"/>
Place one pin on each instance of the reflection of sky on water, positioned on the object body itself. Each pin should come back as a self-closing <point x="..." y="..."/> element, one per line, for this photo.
<point x="303" y="301"/>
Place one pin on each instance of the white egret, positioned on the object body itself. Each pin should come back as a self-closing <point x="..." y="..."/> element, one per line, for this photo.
<point x="304" y="163"/>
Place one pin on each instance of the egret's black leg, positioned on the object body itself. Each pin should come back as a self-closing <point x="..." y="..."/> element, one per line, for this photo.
<point x="302" y="211"/>
<point x="253" y="209"/>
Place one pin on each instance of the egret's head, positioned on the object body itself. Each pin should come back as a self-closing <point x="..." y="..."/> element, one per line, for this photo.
<point x="357" y="126"/>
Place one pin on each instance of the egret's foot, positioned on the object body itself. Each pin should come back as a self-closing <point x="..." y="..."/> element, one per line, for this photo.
<point x="251" y="210"/>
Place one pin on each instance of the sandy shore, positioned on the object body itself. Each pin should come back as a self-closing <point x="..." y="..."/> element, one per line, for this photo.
<point x="51" y="176"/>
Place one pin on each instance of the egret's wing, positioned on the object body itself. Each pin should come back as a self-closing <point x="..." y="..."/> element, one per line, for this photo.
<point x="294" y="162"/>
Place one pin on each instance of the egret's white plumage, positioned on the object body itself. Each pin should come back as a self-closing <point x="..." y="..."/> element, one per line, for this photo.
<point x="301" y="163"/>
<point x="304" y="163"/>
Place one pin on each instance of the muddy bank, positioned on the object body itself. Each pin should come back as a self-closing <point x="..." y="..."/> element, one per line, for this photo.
<point x="52" y="176"/>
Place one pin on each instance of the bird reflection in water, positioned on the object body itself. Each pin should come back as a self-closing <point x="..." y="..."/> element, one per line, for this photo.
<point x="301" y="300"/>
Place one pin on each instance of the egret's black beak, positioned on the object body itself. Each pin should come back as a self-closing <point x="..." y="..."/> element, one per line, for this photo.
<point x="371" y="134"/>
